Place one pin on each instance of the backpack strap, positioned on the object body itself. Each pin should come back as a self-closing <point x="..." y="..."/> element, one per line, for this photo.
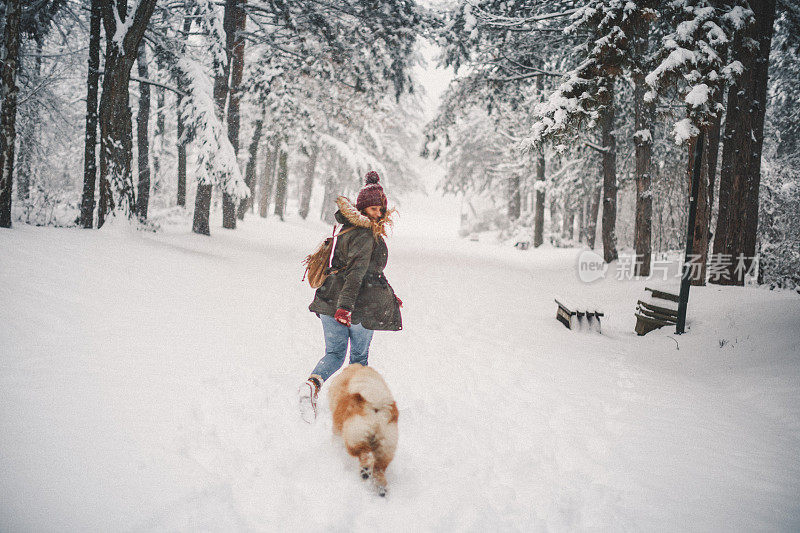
<point x="333" y="244"/>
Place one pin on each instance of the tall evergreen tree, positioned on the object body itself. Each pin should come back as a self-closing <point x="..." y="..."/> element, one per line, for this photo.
<point x="743" y="140"/>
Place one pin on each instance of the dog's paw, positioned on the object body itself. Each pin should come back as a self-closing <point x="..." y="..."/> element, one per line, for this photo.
<point x="365" y="472"/>
<point x="381" y="491"/>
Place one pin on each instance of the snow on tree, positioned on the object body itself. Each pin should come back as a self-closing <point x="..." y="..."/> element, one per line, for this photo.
<point x="695" y="54"/>
<point x="214" y="158"/>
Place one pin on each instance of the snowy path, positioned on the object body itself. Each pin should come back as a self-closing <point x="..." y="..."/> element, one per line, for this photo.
<point x="147" y="382"/>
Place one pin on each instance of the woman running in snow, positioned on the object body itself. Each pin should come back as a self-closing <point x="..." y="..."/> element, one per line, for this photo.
<point x="356" y="298"/>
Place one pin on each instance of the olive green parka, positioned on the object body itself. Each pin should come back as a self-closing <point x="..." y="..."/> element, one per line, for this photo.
<point x="356" y="282"/>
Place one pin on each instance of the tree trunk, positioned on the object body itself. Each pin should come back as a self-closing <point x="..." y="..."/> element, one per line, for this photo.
<point x="609" y="139"/>
<point x="702" y="226"/>
<point x="202" y="209"/>
<point x="740" y="177"/>
<point x="765" y="20"/>
<point x="250" y="170"/>
<point x="538" y="217"/>
<point x="513" y="198"/>
<point x="725" y="206"/>
<point x="181" y="156"/>
<point x="202" y="202"/>
<point x="142" y="140"/>
<point x="234" y="22"/>
<point x="28" y="134"/>
<point x="702" y="214"/>
<point x="308" y="182"/>
<point x="583" y="219"/>
<point x="158" y="136"/>
<point x="8" y="116"/>
<point x="182" y="141"/>
<point x="116" y="144"/>
<point x="643" y="141"/>
<point x="116" y="128"/>
<point x="711" y="156"/>
<point x="554" y="225"/>
<point x="282" y="185"/>
<point x="268" y="179"/>
<point x="568" y="224"/>
<point x="329" y="198"/>
<point x="90" y="144"/>
<point x="593" y="211"/>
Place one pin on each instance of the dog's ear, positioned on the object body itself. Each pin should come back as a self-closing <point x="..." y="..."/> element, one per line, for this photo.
<point x="394" y="411"/>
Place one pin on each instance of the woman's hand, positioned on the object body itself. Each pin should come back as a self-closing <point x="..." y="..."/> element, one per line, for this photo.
<point x="399" y="301"/>
<point x="343" y="316"/>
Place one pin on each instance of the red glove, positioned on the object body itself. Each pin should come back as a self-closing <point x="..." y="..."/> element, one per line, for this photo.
<point x="399" y="301"/>
<point x="343" y="317"/>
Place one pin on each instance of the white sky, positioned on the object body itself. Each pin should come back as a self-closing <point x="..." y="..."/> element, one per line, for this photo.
<point x="433" y="79"/>
<point x="430" y="214"/>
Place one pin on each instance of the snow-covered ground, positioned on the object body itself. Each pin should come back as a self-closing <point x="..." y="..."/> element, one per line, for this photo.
<point x="148" y="381"/>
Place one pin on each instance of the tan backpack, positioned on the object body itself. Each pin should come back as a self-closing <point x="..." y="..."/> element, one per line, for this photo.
<point x="318" y="262"/>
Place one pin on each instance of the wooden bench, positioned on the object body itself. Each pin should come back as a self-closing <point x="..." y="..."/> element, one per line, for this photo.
<point x="575" y="316"/>
<point x="654" y="315"/>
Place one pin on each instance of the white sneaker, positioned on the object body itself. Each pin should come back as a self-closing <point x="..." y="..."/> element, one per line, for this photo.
<point x="307" y="395"/>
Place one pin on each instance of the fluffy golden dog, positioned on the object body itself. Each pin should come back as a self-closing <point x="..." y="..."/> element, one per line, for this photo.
<point x="365" y="415"/>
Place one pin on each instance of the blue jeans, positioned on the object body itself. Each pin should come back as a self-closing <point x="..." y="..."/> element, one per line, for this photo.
<point x="336" y="337"/>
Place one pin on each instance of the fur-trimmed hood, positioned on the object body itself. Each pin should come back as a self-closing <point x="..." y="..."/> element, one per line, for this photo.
<point x="349" y="212"/>
<point x="353" y="215"/>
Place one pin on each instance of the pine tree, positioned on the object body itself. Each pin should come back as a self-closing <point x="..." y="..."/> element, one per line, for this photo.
<point x="740" y="176"/>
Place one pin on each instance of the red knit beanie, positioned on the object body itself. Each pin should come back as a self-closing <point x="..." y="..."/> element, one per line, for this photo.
<point x="372" y="193"/>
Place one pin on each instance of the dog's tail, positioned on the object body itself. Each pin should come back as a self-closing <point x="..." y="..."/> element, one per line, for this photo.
<point x="372" y="440"/>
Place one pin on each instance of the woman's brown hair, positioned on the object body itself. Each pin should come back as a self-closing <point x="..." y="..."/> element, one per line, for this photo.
<point x="379" y="227"/>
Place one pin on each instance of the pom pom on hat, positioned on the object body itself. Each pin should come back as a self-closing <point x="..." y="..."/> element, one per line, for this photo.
<point x="372" y="177"/>
<point x="372" y="193"/>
